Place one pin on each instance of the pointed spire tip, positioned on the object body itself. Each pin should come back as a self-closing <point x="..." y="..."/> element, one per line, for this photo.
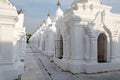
<point x="48" y="14"/>
<point x="58" y="4"/>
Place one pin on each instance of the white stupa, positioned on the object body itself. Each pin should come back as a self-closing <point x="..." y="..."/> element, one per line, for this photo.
<point x="59" y="12"/>
<point x="48" y="21"/>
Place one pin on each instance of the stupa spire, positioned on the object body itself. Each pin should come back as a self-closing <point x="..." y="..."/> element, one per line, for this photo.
<point x="48" y="14"/>
<point x="48" y="21"/>
<point x="58" y="4"/>
<point x="59" y="12"/>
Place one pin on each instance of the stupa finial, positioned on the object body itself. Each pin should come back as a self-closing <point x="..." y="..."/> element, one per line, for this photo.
<point x="58" y="4"/>
<point x="48" y="13"/>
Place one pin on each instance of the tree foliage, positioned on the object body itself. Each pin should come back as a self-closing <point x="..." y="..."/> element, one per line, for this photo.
<point x="28" y="37"/>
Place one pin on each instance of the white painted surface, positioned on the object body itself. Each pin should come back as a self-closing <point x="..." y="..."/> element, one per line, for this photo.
<point x="80" y="27"/>
<point x="10" y="49"/>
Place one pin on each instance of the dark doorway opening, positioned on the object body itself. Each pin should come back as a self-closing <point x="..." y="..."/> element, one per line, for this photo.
<point x="102" y="48"/>
<point x="61" y="47"/>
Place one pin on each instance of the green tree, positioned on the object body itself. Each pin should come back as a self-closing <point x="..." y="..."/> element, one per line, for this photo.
<point x="28" y="37"/>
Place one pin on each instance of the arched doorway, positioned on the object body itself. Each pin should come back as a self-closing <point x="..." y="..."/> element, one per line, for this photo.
<point x="43" y="45"/>
<point x="61" y="47"/>
<point x="102" y="48"/>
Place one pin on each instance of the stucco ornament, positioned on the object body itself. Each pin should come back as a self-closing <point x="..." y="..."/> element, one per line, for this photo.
<point x="84" y="1"/>
<point x="3" y="0"/>
<point x="7" y="2"/>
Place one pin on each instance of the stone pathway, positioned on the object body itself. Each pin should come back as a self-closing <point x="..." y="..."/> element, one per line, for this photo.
<point x="40" y="67"/>
<point x="33" y="70"/>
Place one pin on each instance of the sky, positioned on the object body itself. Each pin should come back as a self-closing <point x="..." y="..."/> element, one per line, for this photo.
<point x="36" y="10"/>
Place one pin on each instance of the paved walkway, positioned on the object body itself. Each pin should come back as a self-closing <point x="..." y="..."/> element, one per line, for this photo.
<point x="40" y="67"/>
<point x="33" y="71"/>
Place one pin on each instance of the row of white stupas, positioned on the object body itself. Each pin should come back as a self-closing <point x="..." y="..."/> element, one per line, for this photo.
<point x="12" y="41"/>
<point x="44" y="36"/>
<point x="86" y="38"/>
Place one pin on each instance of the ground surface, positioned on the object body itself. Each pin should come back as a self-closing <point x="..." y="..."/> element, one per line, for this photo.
<point x="40" y="67"/>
